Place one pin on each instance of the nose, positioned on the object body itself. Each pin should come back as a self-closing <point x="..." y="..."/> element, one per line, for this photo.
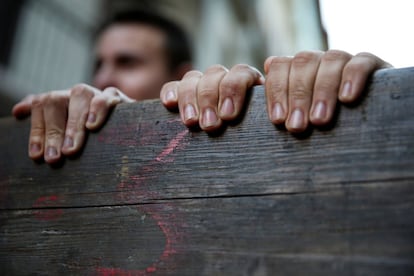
<point x="104" y="77"/>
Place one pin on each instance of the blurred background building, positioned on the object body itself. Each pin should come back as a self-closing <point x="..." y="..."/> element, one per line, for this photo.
<point x="47" y="44"/>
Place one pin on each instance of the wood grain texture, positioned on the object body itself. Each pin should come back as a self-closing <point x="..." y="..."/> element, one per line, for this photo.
<point x="149" y="197"/>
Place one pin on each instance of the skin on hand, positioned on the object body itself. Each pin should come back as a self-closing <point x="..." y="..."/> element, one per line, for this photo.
<point x="130" y="57"/>
<point x="305" y="88"/>
<point x="59" y="119"/>
<point x="207" y="99"/>
<point x="300" y="90"/>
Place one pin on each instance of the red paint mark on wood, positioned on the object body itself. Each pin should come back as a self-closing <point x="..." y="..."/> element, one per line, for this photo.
<point x="151" y="269"/>
<point x="172" y="145"/>
<point x="120" y="272"/>
<point x="103" y="271"/>
<point x="170" y="225"/>
<point x="168" y="221"/>
<point x="45" y="205"/>
<point x="135" y="187"/>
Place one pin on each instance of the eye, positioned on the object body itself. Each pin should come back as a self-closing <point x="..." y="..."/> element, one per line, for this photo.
<point x="129" y="61"/>
<point x="97" y="65"/>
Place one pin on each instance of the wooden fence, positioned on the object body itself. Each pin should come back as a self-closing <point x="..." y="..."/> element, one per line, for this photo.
<point x="150" y="197"/>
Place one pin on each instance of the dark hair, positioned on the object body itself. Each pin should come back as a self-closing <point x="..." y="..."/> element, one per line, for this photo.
<point x="178" y="49"/>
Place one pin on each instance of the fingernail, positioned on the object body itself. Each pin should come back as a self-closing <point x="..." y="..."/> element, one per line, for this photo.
<point x="277" y="113"/>
<point x="91" y="118"/>
<point x="189" y="112"/>
<point x="68" y="142"/>
<point x="227" y="108"/>
<point x="209" y="118"/>
<point x="320" y="111"/>
<point x="170" y="96"/>
<point x="296" y="120"/>
<point x="51" y="152"/>
<point x="346" y="90"/>
<point x="34" y="148"/>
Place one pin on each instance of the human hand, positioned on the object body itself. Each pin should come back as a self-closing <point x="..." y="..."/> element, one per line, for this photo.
<point x="304" y="89"/>
<point x="207" y="99"/>
<point x="59" y="119"/>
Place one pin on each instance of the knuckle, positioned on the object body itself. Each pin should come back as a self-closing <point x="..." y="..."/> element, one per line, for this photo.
<point x="76" y="124"/>
<point x="207" y="93"/>
<point x="216" y="68"/>
<point x="54" y="98"/>
<point x="29" y="98"/>
<point x="111" y="91"/>
<point x="358" y="66"/>
<point x="54" y="133"/>
<point x="186" y="90"/>
<point x="81" y="89"/>
<point x="334" y="55"/>
<point x="192" y="74"/>
<point x="36" y="131"/>
<point x="299" y="93"/>
<point x="275" y="61"/>
<point x="326" y="86"/>
<point x="80" y="86"/>
<point x="99" y="103"/>
<point x="103" y="103"/>
<point x="241" y="67"/>
<point x="38" y="101"/>
<point x="247" y="71"/>
<point x="363" y="61"/>
<point x="51" y="98"/>
<point x="304" y="57"/>
<point x="276" y="87"/>
<point x="366" y="55"/>
<point x="71" y="127"/>
<point x="230" y="86"/>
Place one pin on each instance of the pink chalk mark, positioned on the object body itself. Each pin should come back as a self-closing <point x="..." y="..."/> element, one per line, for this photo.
<point x="170" y="235"/>
<point x="150" y="269"/>
<point x="47" y="199"/>
<point x="104" y="271"/>
<point x="174" y="143"/>
<point x="136" y="190"/>
<point x="47" y="214"/>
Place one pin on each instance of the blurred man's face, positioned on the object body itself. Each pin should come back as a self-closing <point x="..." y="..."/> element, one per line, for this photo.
<point x="132" y="58"/>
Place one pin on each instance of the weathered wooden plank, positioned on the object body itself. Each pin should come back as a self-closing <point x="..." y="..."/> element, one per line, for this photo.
<point x="320" y="233"/>
<point x="148" y="196"/>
